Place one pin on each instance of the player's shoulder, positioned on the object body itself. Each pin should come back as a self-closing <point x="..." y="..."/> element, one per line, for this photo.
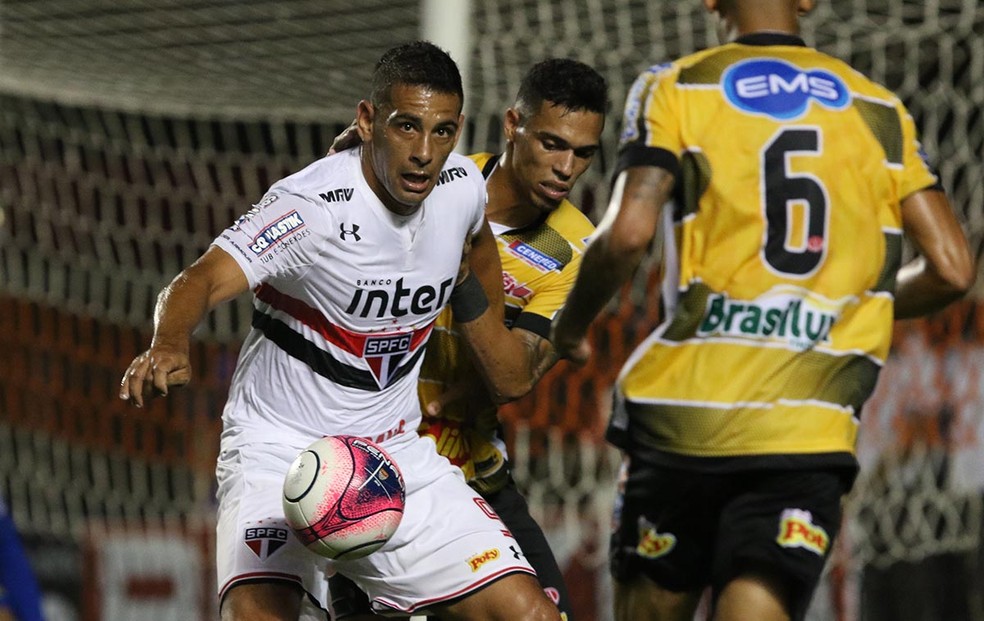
<point x="485" y="162"/>
<point x="331" y="179"/>
<point x="459" y="179"/>
<point x="571" y="223"/>
<point x="469" y="169"/>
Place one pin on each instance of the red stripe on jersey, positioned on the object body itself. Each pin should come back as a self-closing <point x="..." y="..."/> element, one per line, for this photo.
<point x="352" y="342"/>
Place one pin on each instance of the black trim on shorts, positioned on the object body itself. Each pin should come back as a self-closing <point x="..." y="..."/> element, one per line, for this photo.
<point x="635" y="154"/>
<point x="274" y="580"/>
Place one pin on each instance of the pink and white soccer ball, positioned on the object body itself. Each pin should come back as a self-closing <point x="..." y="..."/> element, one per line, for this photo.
<point x="343" y="497"/>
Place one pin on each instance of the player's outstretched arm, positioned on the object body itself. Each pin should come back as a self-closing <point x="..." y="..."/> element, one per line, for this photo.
<point x="622" y="240"/>
<point x="214" y="278"/>
<point x="945" y="270"/>
<point x="511" y="361"/>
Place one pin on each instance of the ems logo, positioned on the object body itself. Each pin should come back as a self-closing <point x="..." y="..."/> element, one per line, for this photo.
<point x="265" y="540"/>
<point x="383" y="354"/>
<point x="780" y="90"/>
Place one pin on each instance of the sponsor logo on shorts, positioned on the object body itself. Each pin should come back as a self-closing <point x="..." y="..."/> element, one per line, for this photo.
<point x="652" y="543"/>
<point x="478" y="560"/>
<point x="265" y="540"/>
<point x="797" y="530"/>
<point x="275" y="232"/>
<point x="534" y="257"/>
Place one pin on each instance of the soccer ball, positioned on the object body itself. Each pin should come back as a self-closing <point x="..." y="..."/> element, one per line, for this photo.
<point x="343" y="497"/>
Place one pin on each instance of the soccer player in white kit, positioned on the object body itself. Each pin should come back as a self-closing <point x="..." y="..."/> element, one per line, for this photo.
<point x="350" y="262"/>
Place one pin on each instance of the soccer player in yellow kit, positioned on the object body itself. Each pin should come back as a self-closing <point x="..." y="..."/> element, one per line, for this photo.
<point x="552" y="133"/>
<point x="793" y="178"/>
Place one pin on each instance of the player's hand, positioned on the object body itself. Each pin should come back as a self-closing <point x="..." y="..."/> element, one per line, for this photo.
<point x="153" y="372"/>
<point x="456" y="392"/>
<point x="348" y="139"/>
<point x="575" y="348"/>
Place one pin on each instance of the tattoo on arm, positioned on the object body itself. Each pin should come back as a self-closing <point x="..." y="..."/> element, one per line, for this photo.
<point x="540" y="354"/>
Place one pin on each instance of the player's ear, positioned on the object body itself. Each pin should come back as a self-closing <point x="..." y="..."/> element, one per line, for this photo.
<point x="805" y="6"/>
<point x="364" y="115"/>
<point x="460" y="130"/>
<point x="510" y="123"/>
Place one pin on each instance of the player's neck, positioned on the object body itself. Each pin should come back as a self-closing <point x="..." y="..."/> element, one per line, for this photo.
<point x="506" y="205"/>
<point x="751" y="22"/>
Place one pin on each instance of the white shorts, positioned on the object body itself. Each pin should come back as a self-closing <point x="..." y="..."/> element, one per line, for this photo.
<point x="449" y="543"/>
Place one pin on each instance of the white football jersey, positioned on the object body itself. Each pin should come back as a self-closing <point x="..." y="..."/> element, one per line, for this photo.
<point x="345" y="296"/>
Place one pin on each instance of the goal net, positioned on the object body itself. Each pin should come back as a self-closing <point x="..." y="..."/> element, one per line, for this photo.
<point x="132" y="132"/>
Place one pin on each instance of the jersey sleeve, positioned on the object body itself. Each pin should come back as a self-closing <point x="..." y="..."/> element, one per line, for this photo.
<point x="917" y="173"/>
<point x="280" y="237"/>
<point x="540" y="311"/>
<point x="651" y="122"/>
<point x="481" y="198"/>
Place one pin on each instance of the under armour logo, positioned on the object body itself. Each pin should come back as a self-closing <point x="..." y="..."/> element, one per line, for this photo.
<point x="516" y="553"/>
<point x="354" y="231"/>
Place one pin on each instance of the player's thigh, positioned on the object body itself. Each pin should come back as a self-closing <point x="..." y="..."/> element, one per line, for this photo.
<point x="641" y="599"/>
<point x="348" y="601"/>
<point x="254" y="545"/>
<point x="777" y="533"/>
<point x="514" y="512"/>
<point x="516" y="597"/>
<point x="262" y="601"/>
<point x="664" y="528"/>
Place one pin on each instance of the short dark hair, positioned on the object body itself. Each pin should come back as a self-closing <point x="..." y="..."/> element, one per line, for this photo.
<point x="563" y="82"/>
<point x="417" y="63"/>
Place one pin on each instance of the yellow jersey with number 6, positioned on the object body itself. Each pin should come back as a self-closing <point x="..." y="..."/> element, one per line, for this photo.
<point x="780" y="253"/>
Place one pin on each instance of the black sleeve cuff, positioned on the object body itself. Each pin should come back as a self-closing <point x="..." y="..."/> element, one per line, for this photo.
<point x="531" y="322"/>
<point x="641" y="155"/>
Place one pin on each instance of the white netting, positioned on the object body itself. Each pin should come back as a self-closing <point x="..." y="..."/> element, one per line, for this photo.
<point x="132" y="131"/>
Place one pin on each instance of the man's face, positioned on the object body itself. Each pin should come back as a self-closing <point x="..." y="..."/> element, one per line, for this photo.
<point x="408" y="139"/>
<point x="551" y="148"/>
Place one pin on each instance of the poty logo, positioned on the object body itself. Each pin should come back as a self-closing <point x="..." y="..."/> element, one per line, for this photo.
<point x="383" y="354"/>
<point x="782" y="91"/>
<point x="275" y="232"/>
<point x="265" y="540"/>
<point x="478" y="560"/>
<point x="797" y="530"/>
<point x="533" y="256"/>
<point x="652" y="543"/>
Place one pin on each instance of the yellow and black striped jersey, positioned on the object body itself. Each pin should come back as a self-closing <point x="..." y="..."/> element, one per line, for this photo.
<point x="779" y="266"/>
<point x="539" y="266"/>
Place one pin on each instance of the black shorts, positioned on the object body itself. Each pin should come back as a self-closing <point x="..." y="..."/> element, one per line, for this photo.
<point x="348" y="601"/>
<point x="687" y="530"/>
